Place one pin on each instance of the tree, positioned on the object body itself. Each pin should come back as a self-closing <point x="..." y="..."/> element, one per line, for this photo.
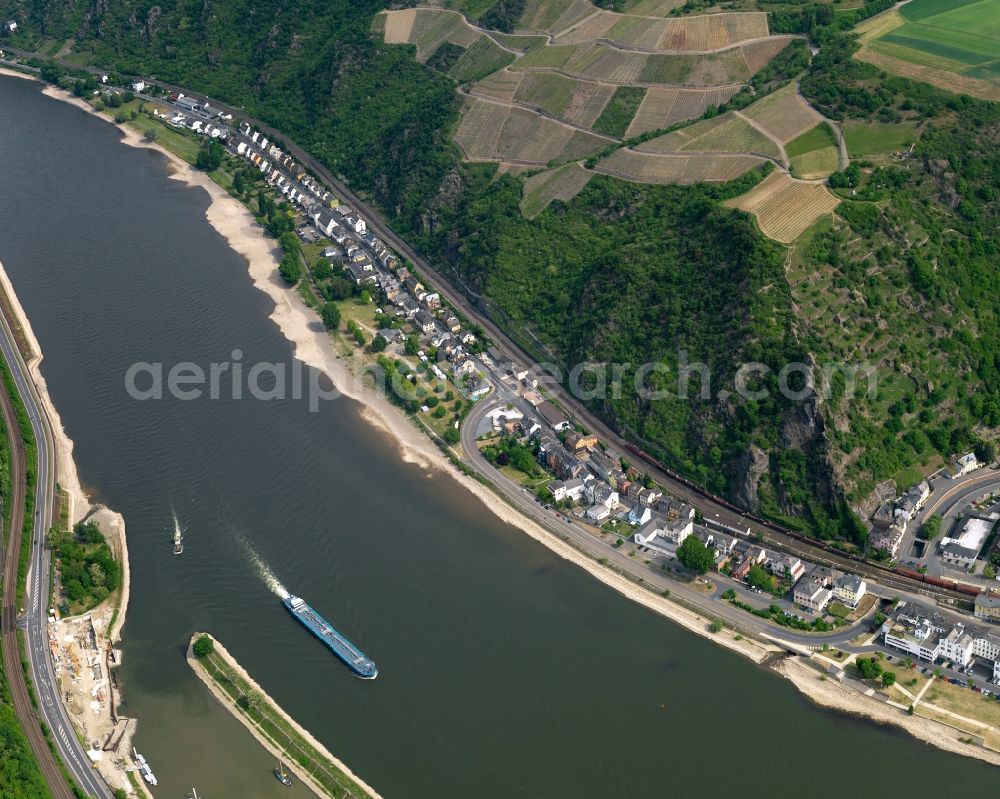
<point x="986" y="452"/>
<point x="203" y="647"/>
<point x="322" y="269"/>
<point x="729" y="593"/>
<point x="715" y="626"/>
<point x="378" y="344"/>
<point x="888" y="678"/>
<point x="880" y="618"/>
<point x="412" y="345"/>
<point x="290" y="270"/>
<point x="759" y="578"/>
<point x="330" y="314"/>
<point x="695" y="555"/>
<point x="209" y="156"/>
<point x="870" y="668"/>
<point x="931" y="527"/>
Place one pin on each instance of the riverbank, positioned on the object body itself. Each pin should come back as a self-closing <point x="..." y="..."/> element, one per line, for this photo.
<point x="106" y="620"/>
<point x="315" y="347"/>
<point x="829" y="692"/>
<point x="299" y="743"/>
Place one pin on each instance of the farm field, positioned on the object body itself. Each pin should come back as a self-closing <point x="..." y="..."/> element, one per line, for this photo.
<point x="491" y="132"/>
<point x="618" y="112"/>
<point x="700" y="33"/>
<point x="784" y="114"/>
<point x="501" y="85"/>
<point x="597" y="61"/>
<point x="642" y="167"/>
<point x="428" y="29"/>
<point x="727" y="133"/>
<point x="875" y="138"/>
<point x="815" y="139"/>
<point x="954" y="45"/>
<point x="784" y="207"/>
<point x="666" y="106"/>
<point x="563" y="184"/>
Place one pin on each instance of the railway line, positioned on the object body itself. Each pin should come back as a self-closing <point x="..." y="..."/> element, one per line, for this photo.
<point x="23" y="706"/>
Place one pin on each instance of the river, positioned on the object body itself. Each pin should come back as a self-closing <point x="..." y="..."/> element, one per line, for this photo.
<point x="503" y="670"/>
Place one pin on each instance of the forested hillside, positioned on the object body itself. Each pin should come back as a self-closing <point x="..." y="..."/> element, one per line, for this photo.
<point x="902" y="277"/>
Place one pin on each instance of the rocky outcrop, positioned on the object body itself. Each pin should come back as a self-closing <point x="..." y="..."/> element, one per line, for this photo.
<point x="748" y="471"/>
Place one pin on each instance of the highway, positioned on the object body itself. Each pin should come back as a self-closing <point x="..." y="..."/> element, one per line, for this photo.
<point x="35" y="621"/>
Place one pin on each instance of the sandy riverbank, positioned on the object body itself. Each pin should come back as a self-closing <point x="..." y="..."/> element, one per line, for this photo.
<point x="227" y="701"/>
<point x="13" y="73"/>
<point x="830" y="693"/>
<point x="313" y="346"/>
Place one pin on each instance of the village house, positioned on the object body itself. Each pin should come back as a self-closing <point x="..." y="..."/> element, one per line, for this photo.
<point x="888" y="540"/>
<point x="578" y="441"/>
<point x="987" y="606"/>
<point x="452" y="323"/>
<point x="913" y="500"/>
<point x="463" y="368"/>
<point x="551" y="414"/>
<point x="392" y="335"/>
<point x="10" y="26"/>
<point x="598" y="513"/>
<point x="432" y="300"/>
<point x="601" y="494"/>
<point x="425" y="322"/>
<point x="571" y="490"/>
<point x="479" y="388"/>
<point x="639" y="515"/>
<point x="814" y="589"/>
<point x="963" y="465"/>
<point x="786" y="566"/>
<point x="849" y="588"/>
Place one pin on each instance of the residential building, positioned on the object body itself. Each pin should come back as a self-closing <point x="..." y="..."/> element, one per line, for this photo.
<point x="987" y="606"/>
<point x="598" y="513"/>
<point x="929" y="634"/>
<point x="963" y="465"/>
<point x="814" y="589"/>
<point x="639" y="515"/>
<point x="580" y="441"/>
<point x="849" y="588"/>
<point x="426" y="322"/>
<point x="888" y="540"/>
<point x="602" y="494"/>
<point x="786" y="566"/>
<point x="551" y="414"/>
<point x="567" y="489"/>
<point x="913" y="500"/>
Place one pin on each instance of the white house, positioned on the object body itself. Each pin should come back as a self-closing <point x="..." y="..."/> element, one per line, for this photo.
<point x="786" y="566"/>
<point x="640" y="514"/>
<point x="10" y="26"/>
<point x="569" y="489"/>
<point x="355" y="223"/>
<point x="964" y="464"/>
<point x="598" y="513"/>
<point x="138" y="86"/>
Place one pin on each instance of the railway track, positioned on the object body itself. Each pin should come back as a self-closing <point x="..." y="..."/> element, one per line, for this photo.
<point x="23" y="706"/>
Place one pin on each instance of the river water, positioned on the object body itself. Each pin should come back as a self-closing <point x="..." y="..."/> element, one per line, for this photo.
<point x="503" y="670"/>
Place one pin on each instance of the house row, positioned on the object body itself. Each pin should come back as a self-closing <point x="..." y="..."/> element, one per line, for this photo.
<point x="927" y="634"/>
<point x="892" y="517"/>
<point x="819" y="585"/>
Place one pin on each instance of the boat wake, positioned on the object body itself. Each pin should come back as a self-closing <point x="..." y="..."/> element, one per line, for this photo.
<point x="263" y="570"/>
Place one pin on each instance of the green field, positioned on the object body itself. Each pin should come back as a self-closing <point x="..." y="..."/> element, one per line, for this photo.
<point x="815" y="139"/>
<point x="481" y="59"/>
<point x="957" y="36"/>
<point x="617" y="114"/>
<point x="873" y="138"/>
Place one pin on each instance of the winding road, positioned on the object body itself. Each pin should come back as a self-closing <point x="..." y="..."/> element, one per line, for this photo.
<point x="35" y="620"/>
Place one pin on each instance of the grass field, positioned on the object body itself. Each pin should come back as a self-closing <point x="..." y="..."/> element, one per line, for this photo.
<point x="874" y="138"/>
<point x="784" y="207"/>
<point x="482" y="58"/>
<point x="618" y="113"/>
<point x="819" y="137"/>
<point x="642" y="167"/>
<point x="563" y="184"/>
<point x="954" y="44"/>
<point x="816" y="164"/>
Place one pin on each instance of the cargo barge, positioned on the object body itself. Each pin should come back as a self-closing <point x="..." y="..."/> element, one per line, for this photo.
<point x="353" y="658"/>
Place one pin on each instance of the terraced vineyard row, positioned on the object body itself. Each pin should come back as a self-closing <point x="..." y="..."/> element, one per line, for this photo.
<point x="642" y="167"/>
<point x="784" y="207"/>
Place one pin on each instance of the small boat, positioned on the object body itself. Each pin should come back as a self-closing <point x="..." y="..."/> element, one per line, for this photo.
<point x="178" y="538"/>
<point x="281" y="775"/>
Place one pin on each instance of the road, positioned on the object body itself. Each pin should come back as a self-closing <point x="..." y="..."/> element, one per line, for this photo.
<point x="52" y="708"/>
<point x="575" y="409"/>
<point x="583" y="540"/>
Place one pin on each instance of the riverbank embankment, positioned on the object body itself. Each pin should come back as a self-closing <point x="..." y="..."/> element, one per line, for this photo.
<point x="324" y="774"/>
